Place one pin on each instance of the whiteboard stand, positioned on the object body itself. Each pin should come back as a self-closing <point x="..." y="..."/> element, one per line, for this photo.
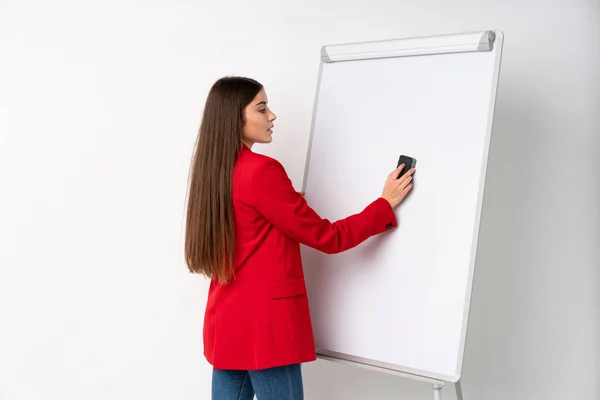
<point x="437" y="391"/>
<point x="459" y="394"/>
<point x="390" y="89"/>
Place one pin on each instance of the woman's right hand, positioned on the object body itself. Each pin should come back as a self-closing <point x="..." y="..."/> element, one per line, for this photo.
<point x="396" y="189"/>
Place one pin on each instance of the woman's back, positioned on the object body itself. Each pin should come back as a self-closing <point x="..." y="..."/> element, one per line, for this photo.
<point x="261" y="318"/>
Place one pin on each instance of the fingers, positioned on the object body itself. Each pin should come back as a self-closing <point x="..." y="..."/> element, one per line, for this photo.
<point x="394" y="173"/>
<point x="407" y="177"/>
<point x="399" y="186"/>
<point x="404" y="182"/>
<point x="404" y="185"/>
<point x="409" y="173"/>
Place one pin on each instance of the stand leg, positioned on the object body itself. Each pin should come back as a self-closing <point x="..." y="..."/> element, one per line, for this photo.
<point x="459" y="393"/>
<point x="437" y="392"/>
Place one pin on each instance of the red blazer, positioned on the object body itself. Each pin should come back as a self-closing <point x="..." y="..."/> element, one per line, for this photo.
<point x="261" y="319"/>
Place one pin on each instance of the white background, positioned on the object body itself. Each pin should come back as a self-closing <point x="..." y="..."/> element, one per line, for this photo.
<point x="99" y="108"/>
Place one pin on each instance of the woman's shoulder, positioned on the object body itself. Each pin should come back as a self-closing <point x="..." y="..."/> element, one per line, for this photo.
<point x="250" y="162"/>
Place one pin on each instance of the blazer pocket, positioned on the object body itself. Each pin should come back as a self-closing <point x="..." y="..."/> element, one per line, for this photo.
<point x="289" y="287"/>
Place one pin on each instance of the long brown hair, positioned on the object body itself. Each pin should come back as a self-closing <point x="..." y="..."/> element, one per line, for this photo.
<point x="210" y="231"/>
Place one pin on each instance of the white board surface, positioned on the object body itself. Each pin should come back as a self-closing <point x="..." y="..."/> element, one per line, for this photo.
<point x="401" y="299"/>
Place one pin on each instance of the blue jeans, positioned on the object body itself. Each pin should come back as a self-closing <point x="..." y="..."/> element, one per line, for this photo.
<point x="279" y="383"/>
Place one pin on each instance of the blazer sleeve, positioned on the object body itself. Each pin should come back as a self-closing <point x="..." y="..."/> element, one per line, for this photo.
<point x="274" y="196"/>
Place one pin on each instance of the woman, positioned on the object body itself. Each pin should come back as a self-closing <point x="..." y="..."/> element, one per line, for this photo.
<point x="245" y="224"/>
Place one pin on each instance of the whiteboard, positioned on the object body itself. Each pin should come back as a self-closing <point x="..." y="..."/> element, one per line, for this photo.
<point x="400" y="301"/>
